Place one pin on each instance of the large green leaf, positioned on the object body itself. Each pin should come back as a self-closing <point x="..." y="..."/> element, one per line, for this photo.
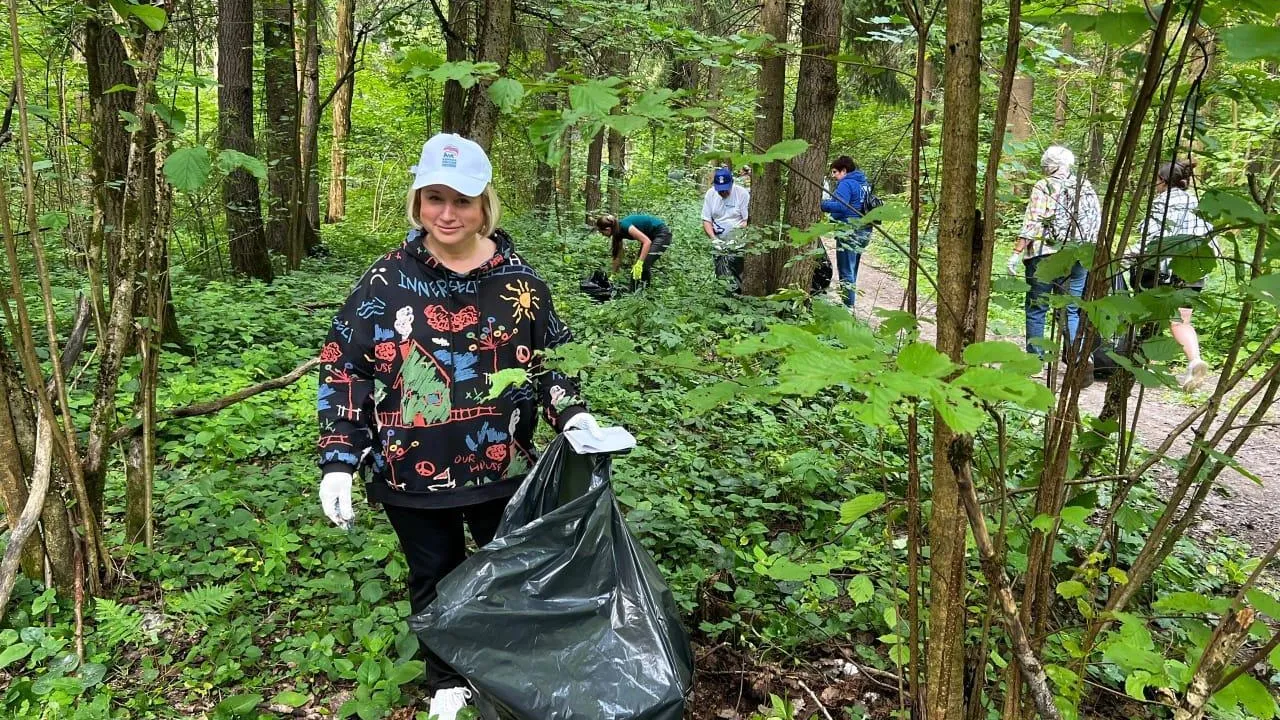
<point x="150" y="15"/>
<point x="594" y="96"/>
<point x="14" y="652"/>
<point x="861" y="590"/>
<point x="290" y="699"/>
<point x="1266" y="288"/>
<point x="852" y="510"/>
<point x="188" y="169"/>
<point x="231" y="160"/>
<point x="626" y="124"/>
<point x="237" y="705"/>
<point x="923" y="359"/>
<point x="1254" y="696"/>
<point x="1246" y="43"/>
<point x="1229" y="206"/>
<point x="1264" y="602"/>
<point x="506" y="93"/>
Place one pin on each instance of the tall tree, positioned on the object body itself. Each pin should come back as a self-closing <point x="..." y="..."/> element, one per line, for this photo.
<point x="240" y="191"/>
<point x="814" y="110"/>
<point x="280" y="84"/>
<point x="457" y="33"/>
<point x="620" y="64"/>
<point x="309" y="132"/>
<point x="766" y="186"/>
<point x="105" y="65"/>
<point x="493" y="44"/>
<point x="343" y="64"/>
<point x="591" y="190"/>
<point x="544" y="189"/>
<point x="952" y="452"/>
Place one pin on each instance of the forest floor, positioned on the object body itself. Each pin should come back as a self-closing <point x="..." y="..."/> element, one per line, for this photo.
<point x="1239" y="507"/>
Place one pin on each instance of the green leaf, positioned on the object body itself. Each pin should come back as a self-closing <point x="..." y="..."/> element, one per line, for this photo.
<point x="506" y="93"/>
<point x="861" y="590"/>
<point x="1137" y="682"/>
<point x="1074" y="516"/>
<point x="959" y="414"/>
<point x="290" y="699"/>
<point x="593" y="97"/>
<point x="1071" y="589"/>
<point x="1043" y="522"/>
<point x="1263" y="602"/>
<point x="626" y="124"/>
<point x="14" y="652"/>
<point x="1246" y="43"/>
<point x="785" y="150"/>
<point x="1229" y="207"/>
<point x="1266" y="288"/>
<point x="503" y="379"/>
<point x="407" y="672"/>
<point x="150" y="15"/>
<point x="237" y="705"/>
<point x="1191" y="603"/>
<point x="891" y="617"/>
<point x="852" y="510"/>
<point x="1254" y="696"/>
<point x="1130" y="657"/>
<point x="231" y="160"/>
<point x="787" y="571"/>
<point x="1009" y="355"/>
<point x="188" y="169"/>
<point x="654" y="104"/>
<point x="922" y="359"/>
<point x="120" y="87"/>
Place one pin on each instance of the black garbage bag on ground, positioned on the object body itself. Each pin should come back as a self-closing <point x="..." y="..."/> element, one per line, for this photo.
<point x="1104" y="365"/>
<point x="564" y="615"/>
<point x="598" y="287"/>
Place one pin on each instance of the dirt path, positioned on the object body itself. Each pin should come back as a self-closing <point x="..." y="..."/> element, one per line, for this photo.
<point x="1239" y="506"/>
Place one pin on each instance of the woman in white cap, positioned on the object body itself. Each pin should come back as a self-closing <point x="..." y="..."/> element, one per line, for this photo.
<point x="405" y="380"/>
<point x="1063" y="209"/>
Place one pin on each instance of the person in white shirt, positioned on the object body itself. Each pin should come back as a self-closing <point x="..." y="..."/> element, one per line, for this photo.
<point x="724" y="213"/>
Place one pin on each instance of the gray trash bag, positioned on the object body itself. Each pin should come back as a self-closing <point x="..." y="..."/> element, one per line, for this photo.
<point x="564" y="615"/>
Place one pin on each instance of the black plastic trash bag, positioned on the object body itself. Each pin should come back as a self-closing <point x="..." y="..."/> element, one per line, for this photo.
<point x="598" y="287"/>
<point x="564" y="615"/>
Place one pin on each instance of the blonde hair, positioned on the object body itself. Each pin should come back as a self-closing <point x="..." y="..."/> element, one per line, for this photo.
<point x="489" y="203"/>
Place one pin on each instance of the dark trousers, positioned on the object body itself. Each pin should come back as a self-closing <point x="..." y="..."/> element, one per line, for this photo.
<point x="729" y="267"/>
<point x="658" y="244"/>
<point x="433" y="545"/>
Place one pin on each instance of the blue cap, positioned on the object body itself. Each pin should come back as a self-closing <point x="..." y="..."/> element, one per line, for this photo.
<point x="723" y="179"/>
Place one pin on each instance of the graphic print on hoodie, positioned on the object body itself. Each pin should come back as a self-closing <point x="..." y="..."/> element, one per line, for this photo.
<point x="405" y="376"/>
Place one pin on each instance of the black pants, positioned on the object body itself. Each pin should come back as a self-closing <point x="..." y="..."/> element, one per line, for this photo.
<point x="658" y="244"/>
<point x="433" y="546"/>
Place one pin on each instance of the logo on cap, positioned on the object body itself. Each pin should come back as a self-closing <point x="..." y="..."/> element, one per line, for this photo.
<point x="449" y="157"/>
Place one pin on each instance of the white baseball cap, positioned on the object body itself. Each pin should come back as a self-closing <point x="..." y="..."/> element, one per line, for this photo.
<point x="452" y="160"/>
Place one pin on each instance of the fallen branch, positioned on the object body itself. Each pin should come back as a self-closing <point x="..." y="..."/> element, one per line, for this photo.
<point x="21" y="530"/>
<point x="213" y="406"/>
<point x="816" y="701"/>
<point x="1028" y="664"/>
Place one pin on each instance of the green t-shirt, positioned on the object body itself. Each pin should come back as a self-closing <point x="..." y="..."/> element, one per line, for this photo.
<point x="648" y="224"/>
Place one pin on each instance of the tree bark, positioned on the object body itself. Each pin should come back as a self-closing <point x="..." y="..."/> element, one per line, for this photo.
<point x="105" y="57"/>
<point x="310" y="125"/>
<point x="15" y="461"/>
<point x="1060" y="103"/>
<point x="544" y="189"/>
<point x="493" y="44"/>
<point x="957" y="239"/>
<point x="280" y="84"/>
<point x="343" y="61"/>
<point x="591" y="192"/>
<point x="759" y="273"/>
<point x="240" y="192"/>
<point x="1020" y="108"/>
<point x="814" y="110"/>
<point x="456" y="35"/>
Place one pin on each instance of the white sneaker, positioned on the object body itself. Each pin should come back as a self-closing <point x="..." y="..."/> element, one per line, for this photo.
<point x="1195" y="376"/>
<point x="446" y="703"/>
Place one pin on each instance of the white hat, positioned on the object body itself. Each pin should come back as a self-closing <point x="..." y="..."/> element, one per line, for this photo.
<point x="455" y="161"/>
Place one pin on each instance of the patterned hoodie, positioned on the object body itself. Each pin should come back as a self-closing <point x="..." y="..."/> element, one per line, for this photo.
<point x="404" y="377"/>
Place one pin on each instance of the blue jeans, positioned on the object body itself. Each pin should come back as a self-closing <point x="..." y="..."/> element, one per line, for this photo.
<point x="1036" y="307"/>
<point x="849" y="247"/>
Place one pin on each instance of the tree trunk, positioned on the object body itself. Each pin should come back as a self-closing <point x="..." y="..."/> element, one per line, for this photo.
<point x="544" y="189"/>
<point x="456" y="36"/>
<point x="15" y="464"/>
<point x="105" y="57"/>
<point x="592" y="190"/>
<point x="310" y="126"/>
<point x="815" y="107"/>
<point x="759" y="273"/>
<point x="951" y="452"/>
<point x="343" y="61"/>
<point x="1020" y="106"/>
<point x="493" y="44"/>
<point x="1060" y="104"/>
<point x="240" y="192"/>
<point x="280" y="84"/>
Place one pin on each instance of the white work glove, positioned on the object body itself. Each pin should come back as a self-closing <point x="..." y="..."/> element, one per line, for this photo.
<point x="1015" y="264"/>
<point x="584" y="421"/>
<point x="335" y="498"/>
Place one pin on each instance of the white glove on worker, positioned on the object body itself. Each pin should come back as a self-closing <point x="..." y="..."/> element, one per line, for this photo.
<point x="584" y="421"/>
<point x="1015" y="264"/>
<point x="335" y="498"/>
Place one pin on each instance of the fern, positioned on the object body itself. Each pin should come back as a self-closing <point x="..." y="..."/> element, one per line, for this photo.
<point x="202" y="602"/>
<point x="117" y="623"/>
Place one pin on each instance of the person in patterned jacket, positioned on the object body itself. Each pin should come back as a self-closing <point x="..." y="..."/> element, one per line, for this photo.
<point x="406" y="379"/>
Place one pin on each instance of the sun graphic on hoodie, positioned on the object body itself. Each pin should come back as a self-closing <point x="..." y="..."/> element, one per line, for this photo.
<point x="523" y="302"/>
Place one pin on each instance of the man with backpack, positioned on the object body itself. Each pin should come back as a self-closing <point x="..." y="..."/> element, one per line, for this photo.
<point x="851" y="199"/>
<point x="1063" y="209"/>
